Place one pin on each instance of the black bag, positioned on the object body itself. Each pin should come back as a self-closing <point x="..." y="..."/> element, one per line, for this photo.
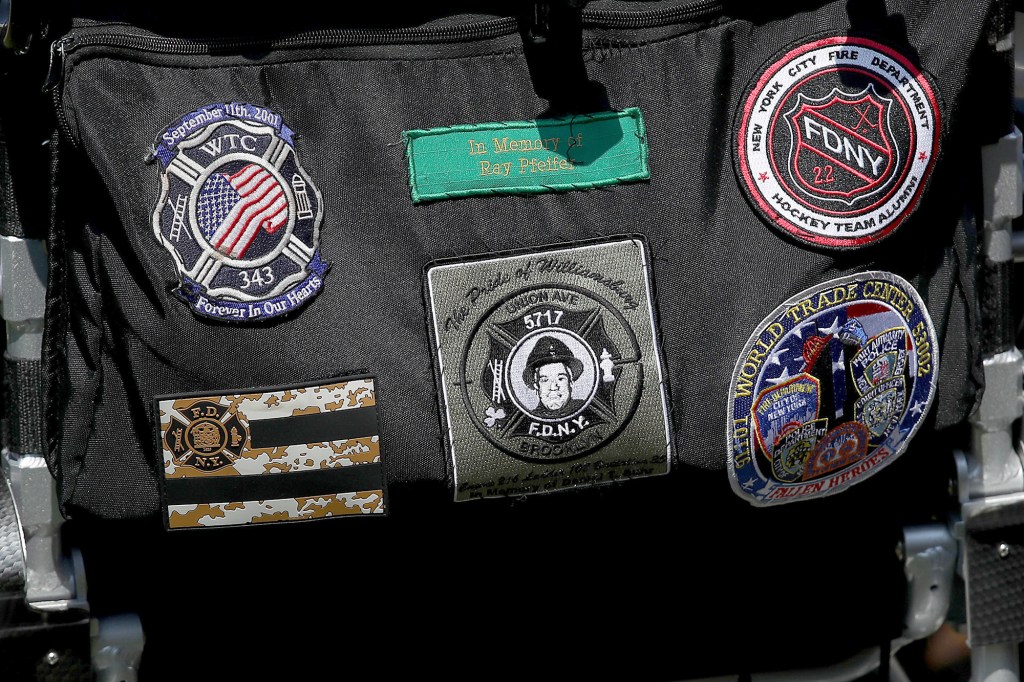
<point x="709" y="332"/>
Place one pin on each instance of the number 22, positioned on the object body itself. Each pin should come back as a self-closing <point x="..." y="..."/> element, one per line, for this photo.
<point x="818" y="180"/>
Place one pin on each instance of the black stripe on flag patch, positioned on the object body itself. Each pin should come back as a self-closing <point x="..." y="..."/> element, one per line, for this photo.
<point x="350" y="479"/>
<point x="360" y="422"/>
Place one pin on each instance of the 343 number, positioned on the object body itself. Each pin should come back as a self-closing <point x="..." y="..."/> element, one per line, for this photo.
<point x="259" y="276"/>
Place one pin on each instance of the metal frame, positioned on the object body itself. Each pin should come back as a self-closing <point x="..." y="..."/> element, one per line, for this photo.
<point x="54" y="576"/>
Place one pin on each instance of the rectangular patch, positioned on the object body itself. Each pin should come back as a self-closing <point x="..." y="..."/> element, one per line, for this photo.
<point x="550" y="369"/>
<point x="281" y="454"/>
<point x="527" y="157"/>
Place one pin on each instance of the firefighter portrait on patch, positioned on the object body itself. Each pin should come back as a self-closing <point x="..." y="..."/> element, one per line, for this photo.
<point x="551" y="371"/>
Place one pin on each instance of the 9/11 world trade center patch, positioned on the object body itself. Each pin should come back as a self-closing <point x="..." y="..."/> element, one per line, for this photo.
<point x="836" y="139"/>
<point x="830" y="388"/>
<point x="285" y="454"/>
<point x="238" y="214"/>
<point x="549" y="368"/>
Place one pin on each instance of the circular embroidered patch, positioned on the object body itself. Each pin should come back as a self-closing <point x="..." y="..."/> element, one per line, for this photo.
<point x="830" y="388"/>
<point x="836" y="140"/>
<point x="238" y="214"/>
<point x="551" y="373"/>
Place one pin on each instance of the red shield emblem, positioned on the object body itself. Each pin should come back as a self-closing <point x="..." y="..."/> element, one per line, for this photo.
<point x="842" y="146"/>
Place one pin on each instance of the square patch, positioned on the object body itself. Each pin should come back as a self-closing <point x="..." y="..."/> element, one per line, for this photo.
<point x="549" y="369"/>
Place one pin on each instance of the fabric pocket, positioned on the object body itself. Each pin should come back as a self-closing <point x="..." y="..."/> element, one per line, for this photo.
<point x="286" y="157"/>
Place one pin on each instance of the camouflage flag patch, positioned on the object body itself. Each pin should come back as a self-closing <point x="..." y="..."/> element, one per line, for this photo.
<point x="549" y="368"/>
<point x="284" y="454"/>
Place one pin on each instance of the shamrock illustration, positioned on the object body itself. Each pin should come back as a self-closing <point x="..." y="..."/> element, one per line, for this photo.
<point x="494" y="416"/>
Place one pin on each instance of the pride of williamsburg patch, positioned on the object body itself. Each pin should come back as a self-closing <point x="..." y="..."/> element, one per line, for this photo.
<point x="549" y="369"/>
<point x="830" y="389"/>
<point x="836" y="139"/>
<point x="238" y="215"/>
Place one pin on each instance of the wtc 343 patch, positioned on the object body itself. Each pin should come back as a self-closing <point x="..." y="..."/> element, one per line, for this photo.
<point x="238" y="214"/>
<point x="830" y="388"/>
<point x="836" y="140"/>
<point x="550" y="369"/>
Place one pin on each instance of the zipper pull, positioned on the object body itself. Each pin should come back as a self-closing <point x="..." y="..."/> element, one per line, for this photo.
<point x="538" y="28"/>
<point x="54" y="73"/>
<point x="552" y="35"/>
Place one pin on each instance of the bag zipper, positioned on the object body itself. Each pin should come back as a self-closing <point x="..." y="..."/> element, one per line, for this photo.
<point x="53" y="76"/>
<point x="494" y="28"/>
<point x="622" y="19"/>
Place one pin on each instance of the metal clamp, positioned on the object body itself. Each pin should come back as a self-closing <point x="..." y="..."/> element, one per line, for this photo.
<point x="117" y="643"/>
<point x="994" y="464"/>
<point x="53" y="582"/>
<point x="1002" y="183"/>
<point x="929" y="561"/>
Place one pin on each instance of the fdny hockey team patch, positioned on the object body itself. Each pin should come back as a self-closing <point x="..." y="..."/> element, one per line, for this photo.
<point x="238" y="214"/>
<point x="272" y="455"/>
<point x="550" y="369"/>
<point x="830" y="388"/>
<point x="836" y="141"/>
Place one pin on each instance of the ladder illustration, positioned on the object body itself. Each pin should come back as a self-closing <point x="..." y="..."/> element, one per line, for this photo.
<point x="179" y="217"/>
<point x="497" y="391"/>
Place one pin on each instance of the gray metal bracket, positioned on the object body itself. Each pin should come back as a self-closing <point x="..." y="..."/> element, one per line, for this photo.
<point x="12" y="542"/>
<point x="117" y="643"/>
<point x="54" y="581"/>
<point x="994" y="465"/>
<point x="993" y="476"/>
<point x="23" y="272"/>
<point x="929" y="562"/>
<point x="1002" y="183"/>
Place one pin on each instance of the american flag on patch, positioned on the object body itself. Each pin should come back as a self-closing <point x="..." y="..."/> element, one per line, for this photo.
<point x="233" y="208"/>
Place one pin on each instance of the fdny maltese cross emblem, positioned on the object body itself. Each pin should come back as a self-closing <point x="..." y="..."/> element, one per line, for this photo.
<point x="238" y="214"/>
<point x="213" y="438"/>
<point x="548" y="373"/>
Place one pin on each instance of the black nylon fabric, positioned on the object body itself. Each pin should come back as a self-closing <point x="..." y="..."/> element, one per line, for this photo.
<point x="349" y="135"/>
<point x="10" y="219"/>
<point x="618" y="552"/>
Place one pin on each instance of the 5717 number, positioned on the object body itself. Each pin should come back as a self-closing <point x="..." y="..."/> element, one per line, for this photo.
<point x="544" y="318"/>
